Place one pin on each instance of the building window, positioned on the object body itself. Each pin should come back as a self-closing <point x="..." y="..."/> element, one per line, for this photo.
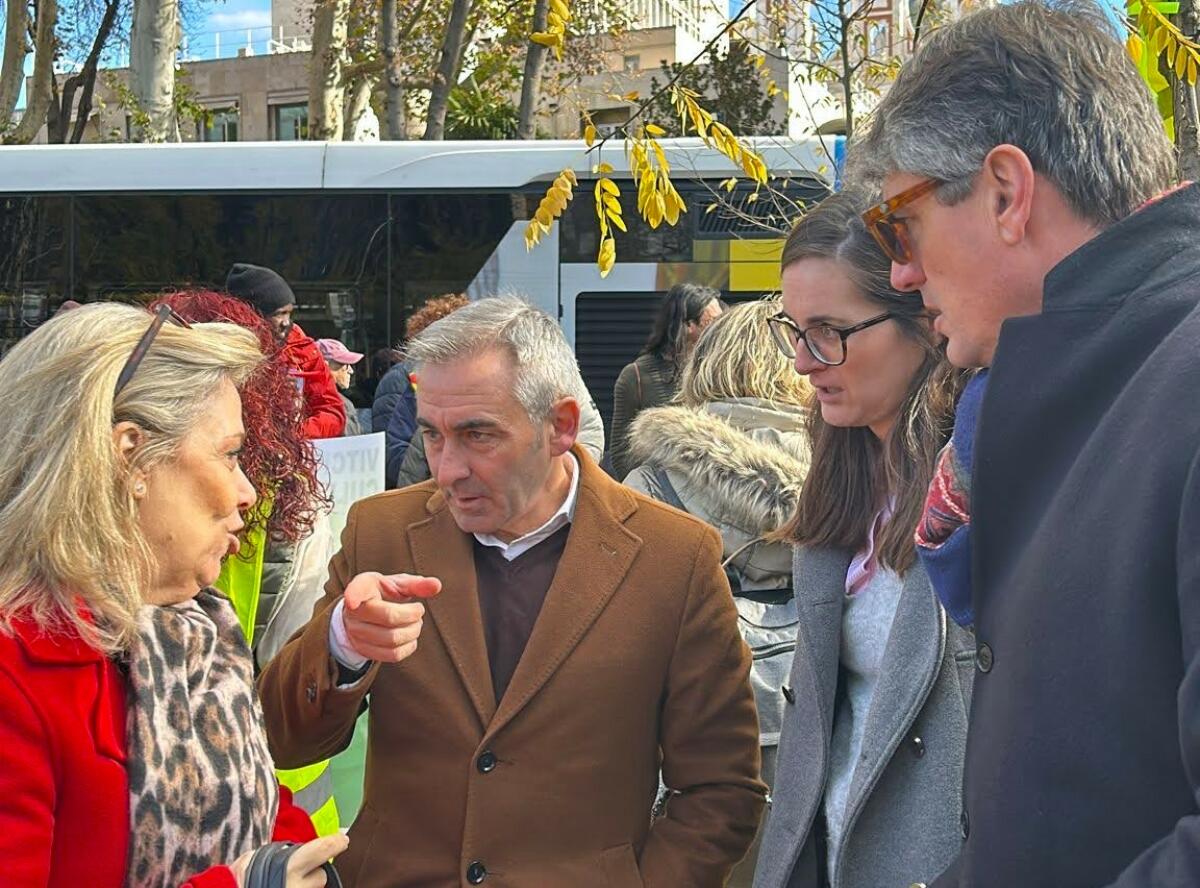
<point x="290" y="122"/>
<point x="633" y="64"/>
<point x="222" y="126"/>
<point x="608" y="121"/>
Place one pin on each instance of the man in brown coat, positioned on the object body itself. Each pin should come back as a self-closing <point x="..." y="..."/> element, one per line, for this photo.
<point x="584" y="637"/>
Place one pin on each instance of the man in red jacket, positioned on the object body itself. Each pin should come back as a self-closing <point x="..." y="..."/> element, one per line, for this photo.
<point x="271" y="297"/>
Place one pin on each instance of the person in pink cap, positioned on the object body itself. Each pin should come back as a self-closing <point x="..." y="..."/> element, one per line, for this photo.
<point x="341" y="363"/>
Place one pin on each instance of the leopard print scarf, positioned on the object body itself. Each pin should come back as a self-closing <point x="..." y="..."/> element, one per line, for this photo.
<point x="201" y="785"/>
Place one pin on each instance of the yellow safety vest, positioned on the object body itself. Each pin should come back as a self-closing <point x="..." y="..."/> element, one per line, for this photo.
<point x="311" y="786"/>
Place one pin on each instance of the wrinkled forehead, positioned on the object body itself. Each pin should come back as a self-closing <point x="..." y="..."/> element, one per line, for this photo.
<point x="480" y="385"/>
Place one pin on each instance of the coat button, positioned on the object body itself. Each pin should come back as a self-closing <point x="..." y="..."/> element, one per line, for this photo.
<point x="476" y="872"/>
<point x="964" y="823"/>
<point x="486" y="763"/>
<point x="918" y="747"/>
<point x="789" y="694"/>
<point x="984" y="658"/>
<point x="310" y="692"/>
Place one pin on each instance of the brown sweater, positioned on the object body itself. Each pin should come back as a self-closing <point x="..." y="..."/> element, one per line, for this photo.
<point x="511" y="594"/>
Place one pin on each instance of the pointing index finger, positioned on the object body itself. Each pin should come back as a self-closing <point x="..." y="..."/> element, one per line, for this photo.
<point x="405" y="587"/>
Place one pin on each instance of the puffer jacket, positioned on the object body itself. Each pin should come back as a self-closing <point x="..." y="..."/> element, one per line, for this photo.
<point x="739" y="465"/>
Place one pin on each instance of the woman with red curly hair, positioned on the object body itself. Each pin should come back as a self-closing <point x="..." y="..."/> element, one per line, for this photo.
<point x="288" y="538"/>
<point x="280" y="462"/>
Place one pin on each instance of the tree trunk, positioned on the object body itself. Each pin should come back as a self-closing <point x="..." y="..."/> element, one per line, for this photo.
<point x="447" y="70"/>
<point x="58" y="121"/>
<point x="1187" y="115"/>
<point x="153" y="42"/>
<point x="12" y="68"/>
<point x="326" y="91"/>
<point x="356" y="107"/>
<point x="531" y="83"/>
<point x="394" y="123"/>
<point x="391" y="128"/>
<point x="846" y="40"/>
<point x="37" y="100"/>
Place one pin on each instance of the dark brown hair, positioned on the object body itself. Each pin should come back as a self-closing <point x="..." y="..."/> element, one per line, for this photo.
<point x="854" y="473"/>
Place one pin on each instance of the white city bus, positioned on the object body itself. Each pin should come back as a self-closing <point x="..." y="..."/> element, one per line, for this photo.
<point x="365" y="233"/>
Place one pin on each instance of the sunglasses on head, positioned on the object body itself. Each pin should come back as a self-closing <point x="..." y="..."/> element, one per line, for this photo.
<point x="161" y="315"/>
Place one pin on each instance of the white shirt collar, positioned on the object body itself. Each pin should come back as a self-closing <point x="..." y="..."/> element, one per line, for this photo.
<point x="564" y="516"/>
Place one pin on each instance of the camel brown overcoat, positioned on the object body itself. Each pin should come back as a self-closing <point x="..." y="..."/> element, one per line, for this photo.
<point x="635" y="660"/>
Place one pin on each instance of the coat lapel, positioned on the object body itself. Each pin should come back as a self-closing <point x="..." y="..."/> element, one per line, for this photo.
<point x="598" y="554"/>
<point x="441" y="550"/>
<point x="820" y="601"/>
<point x="911" y="658"/>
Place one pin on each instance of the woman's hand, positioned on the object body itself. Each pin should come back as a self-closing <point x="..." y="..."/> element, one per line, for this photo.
<point x="304" y="866"/>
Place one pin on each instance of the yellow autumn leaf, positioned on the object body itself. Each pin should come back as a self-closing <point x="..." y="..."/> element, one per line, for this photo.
<point x="671" y="208"/>
<point x="712" y="206"/>
<point x="1181" y="58"/>
<point x="543" y="39"/>
<point x="589" y="135"/>
<point x="607" y="256"/>
<point x="729" y="183"/>
<point x="655" y="130"/>
<point x="609" y="186"/>
<point x="1136" y="47"/>
<point x="561" y="9"/>
<point x="662" y="157"/>
<point x="631" y="96"/>
<point x="603" y="168"/>
<point x="1191" y="71"/>
<point x="612" y="205"/>
<point x="617" y="222"/>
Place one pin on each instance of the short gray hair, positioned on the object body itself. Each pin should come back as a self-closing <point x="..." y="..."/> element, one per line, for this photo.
<point x="1050" y="78"/>
<point x="545" y="367"/>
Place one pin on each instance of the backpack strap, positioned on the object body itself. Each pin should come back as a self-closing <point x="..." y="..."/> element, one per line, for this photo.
<point x="666" y="489"/>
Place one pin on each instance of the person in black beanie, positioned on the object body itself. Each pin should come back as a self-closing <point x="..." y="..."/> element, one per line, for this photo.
<point x="266" y="291"/>
<point x="272" y="297"/>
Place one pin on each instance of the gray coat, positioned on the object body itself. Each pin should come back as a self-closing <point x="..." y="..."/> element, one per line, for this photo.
<point x="904" y="808"/>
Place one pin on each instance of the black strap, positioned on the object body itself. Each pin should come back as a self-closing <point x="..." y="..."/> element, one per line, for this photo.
<point x="666" y="489"/>
<point x="268" y="867"/>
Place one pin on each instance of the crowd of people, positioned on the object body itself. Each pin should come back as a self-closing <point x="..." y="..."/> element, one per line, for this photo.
<point x="887" y="580"/>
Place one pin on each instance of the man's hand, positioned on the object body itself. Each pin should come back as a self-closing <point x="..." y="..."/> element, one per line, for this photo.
<point x="382" y="615"/>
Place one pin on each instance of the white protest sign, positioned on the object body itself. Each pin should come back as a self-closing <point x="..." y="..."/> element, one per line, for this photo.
<point x="351" y="469"/>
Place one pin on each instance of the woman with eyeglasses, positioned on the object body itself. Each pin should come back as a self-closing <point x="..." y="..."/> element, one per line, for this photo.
<point x="132" y="749"/>
<point x="867" y="784"/>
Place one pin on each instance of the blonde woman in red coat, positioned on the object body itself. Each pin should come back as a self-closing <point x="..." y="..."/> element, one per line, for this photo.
<point x="132" y="752"/>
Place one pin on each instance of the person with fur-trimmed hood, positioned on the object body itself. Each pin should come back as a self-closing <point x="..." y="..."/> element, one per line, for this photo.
<point x="732" y="450"/>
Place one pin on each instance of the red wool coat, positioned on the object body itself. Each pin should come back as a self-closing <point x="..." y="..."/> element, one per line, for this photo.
<point x="64" y="792"/>
<point x="324" y="415"/>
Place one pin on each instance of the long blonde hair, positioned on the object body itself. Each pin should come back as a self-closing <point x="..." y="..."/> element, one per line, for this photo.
<point x="736" y="357"/>
<point x="72" y="555"/>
